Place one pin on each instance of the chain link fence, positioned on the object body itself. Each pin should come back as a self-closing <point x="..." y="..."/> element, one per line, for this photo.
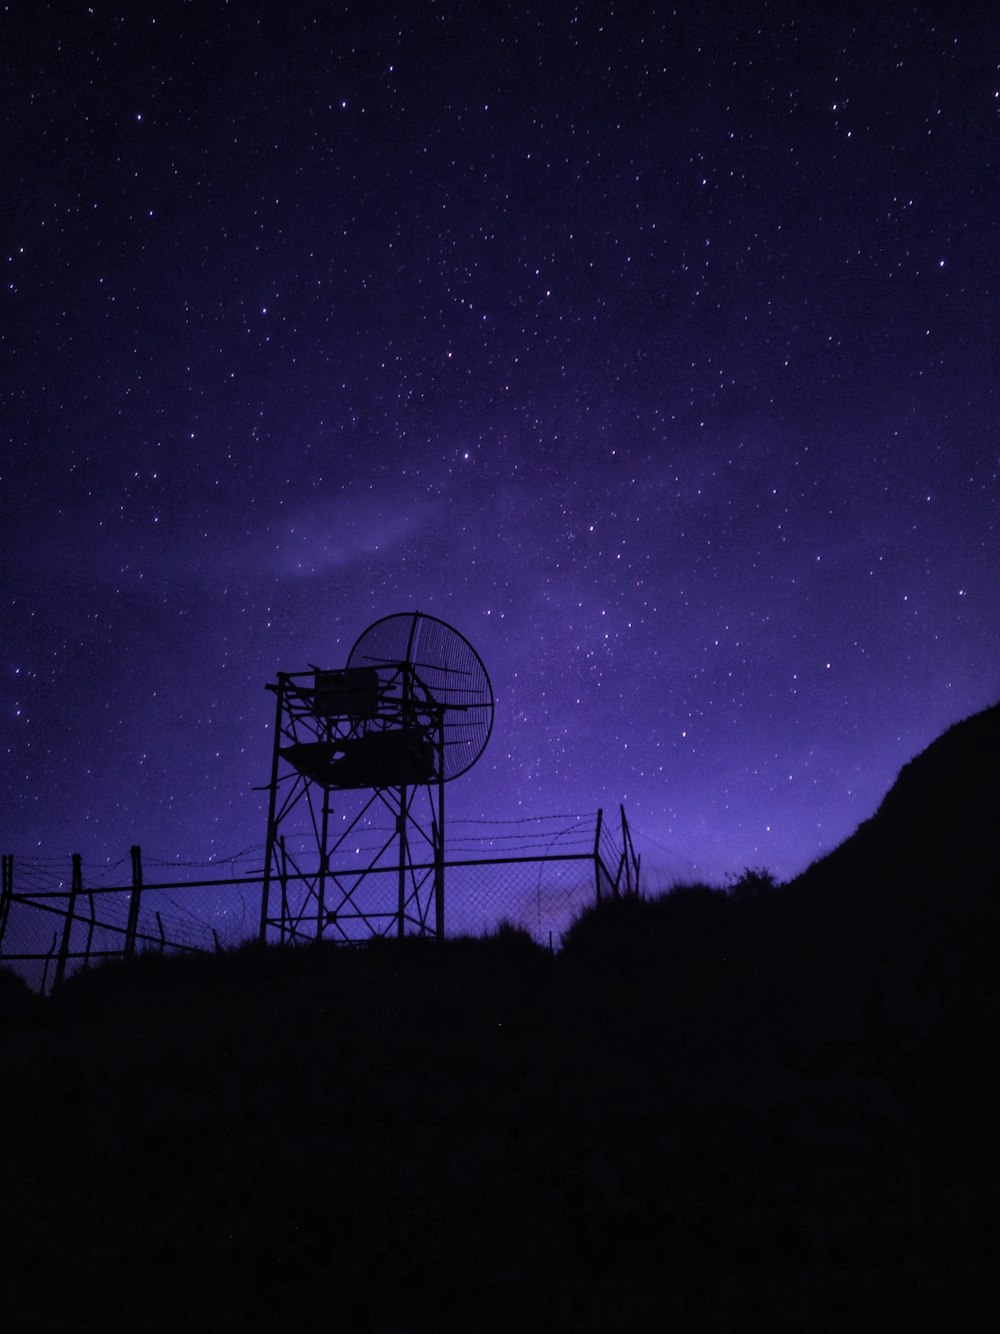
<point x="535" y="873"/>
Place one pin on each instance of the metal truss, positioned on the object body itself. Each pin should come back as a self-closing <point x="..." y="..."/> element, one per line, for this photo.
<point x="355" y="843"/>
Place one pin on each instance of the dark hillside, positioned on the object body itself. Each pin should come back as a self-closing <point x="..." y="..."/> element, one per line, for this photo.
<point x="935" y="839"/>
<point x="912" y="899"/>
<point x="766" y="1109"/>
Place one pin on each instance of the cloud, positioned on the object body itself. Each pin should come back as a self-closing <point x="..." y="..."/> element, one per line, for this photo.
<point x="336" y="534"/>
<point x="226" y="546"/>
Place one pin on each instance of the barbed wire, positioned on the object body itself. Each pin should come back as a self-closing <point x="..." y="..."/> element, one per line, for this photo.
<point x="529" y="819"/>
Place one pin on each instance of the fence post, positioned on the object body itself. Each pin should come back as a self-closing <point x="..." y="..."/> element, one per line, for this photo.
<point x="616" y="883"/>
<point x="626" y="850"/>
<point x="6" y="893"/>
<point x="597" y="852"/>
<point x="90" y="928"/>
<point x="76" y="886"/>
<point x="132" y="925"/>
<point x="48" y="960"/>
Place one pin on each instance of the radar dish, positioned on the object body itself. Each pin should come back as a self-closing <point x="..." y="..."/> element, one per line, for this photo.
<point x="431" y="669"/>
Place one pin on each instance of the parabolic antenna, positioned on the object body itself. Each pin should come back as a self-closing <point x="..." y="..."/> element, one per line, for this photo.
<point x="428" y="665"/>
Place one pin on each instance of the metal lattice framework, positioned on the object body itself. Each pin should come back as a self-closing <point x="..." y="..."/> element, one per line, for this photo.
<point x="412" y="710"/>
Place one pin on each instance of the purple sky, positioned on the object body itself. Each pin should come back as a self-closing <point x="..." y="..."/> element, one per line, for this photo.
<point x="656" y="354"/>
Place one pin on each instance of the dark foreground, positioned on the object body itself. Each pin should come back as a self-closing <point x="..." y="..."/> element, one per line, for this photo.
<point x="658" y="1129"/>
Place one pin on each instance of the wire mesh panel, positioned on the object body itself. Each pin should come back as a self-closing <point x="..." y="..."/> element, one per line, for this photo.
<point x="31" y="943"/>
<point x="53" y="928"/>
<point x="542" y="898"/>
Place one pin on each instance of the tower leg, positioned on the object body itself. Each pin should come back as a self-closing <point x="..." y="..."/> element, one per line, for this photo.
<point x="438" y="833"/>
<point x="403" y="860"/>
<point x="272" y="807"/>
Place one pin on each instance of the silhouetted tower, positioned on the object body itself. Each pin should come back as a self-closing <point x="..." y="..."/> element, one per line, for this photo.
<point x="412" y="710"/>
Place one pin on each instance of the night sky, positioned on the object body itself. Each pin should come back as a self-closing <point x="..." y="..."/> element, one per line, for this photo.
<point x="655" y="350"/>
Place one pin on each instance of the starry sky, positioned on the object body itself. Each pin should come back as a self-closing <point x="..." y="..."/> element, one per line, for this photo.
<point x="654" y="349"/>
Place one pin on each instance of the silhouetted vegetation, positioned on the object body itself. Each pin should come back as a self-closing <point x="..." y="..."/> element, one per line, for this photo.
<point x="763" y="1107"/>
<point x="17" y="1001"/>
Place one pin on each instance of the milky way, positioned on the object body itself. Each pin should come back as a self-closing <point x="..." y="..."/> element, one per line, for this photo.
<point x="657" y="354"/>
